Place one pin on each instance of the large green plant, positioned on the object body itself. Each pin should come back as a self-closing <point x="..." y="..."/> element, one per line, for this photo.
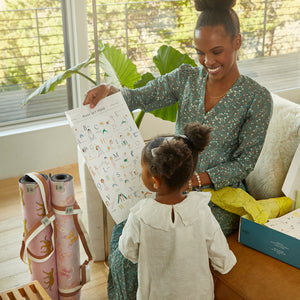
<point x="122" y="72"/>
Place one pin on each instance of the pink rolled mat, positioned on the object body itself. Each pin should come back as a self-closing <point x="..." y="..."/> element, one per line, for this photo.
<point x="38" y="243"/>
<point x="68" y="231"/>
<point x="52" y="230"/>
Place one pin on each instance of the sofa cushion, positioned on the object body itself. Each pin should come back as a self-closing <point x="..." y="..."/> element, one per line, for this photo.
<point x="281" y="142"/>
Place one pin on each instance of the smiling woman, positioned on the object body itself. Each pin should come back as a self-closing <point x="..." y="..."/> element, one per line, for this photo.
<point x="217" y="53"/>
<point x="217" y="40"/>
<point x="234" y="106"/>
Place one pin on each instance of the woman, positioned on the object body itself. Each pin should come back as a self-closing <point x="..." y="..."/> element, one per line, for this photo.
<point x="236" y="108"/>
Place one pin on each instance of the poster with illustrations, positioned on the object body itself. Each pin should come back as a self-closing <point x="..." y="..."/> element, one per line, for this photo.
<point x="111" y="145"/>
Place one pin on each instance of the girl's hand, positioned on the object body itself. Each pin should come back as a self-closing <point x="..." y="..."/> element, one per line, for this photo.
<point x="94" y="95"/>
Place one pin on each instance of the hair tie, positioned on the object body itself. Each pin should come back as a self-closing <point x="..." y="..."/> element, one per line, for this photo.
<point x="170" y="138"/>
<point x="188" y="140"/>
<point x="166" y="139"/>
<point x="153" y="150"/>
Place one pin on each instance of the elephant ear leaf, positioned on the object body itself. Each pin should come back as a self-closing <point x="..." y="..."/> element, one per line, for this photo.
<point x="119" y="70"/>
<point x="54" y="81"/>
<point x="144" y="80"/>
<point x="168" y="113"/>
<point x="169" y="59"/>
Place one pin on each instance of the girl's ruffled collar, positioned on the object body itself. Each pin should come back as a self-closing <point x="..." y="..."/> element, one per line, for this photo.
<point x="158" y="215"/>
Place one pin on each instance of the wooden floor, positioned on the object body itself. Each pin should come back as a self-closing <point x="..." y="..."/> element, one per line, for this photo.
<point x="13" y="272"/>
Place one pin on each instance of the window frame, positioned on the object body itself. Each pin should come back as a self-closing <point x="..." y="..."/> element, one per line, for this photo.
<point x="74" y="17"/>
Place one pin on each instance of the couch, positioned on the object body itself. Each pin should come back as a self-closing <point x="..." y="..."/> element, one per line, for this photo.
<point x="256" y="275"/>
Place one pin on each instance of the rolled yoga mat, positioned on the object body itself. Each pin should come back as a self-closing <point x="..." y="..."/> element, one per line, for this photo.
<point x="38" y="240"/>
<point x="68" y="230"/>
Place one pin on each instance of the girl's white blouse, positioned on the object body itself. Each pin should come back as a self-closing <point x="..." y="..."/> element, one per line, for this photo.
<point x="174" y="258"/>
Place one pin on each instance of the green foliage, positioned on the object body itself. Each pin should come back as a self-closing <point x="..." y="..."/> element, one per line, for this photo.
<point x="121" y="72"/>
<point x="144" y="80"/>
<point x="146" y="25"/>
<point x="32" y="43"/>
<point x="32" y="49"/>
<point x="263" y="26"/>
<point x="168" y="59"/>
<point x="54" y="81"/>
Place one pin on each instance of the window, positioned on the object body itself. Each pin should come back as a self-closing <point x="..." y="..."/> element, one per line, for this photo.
<point x="38" y="43"/>
<point x="32" y="50"/>
<point x="138" y="28"/>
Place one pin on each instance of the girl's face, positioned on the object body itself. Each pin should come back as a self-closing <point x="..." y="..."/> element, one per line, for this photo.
<point x="217" y="52"/>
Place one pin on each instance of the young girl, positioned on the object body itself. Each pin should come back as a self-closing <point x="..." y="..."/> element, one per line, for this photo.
<point x="173" y="237"/>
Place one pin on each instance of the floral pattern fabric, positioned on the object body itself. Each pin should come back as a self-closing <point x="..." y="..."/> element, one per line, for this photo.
<point x="239" y="123"/>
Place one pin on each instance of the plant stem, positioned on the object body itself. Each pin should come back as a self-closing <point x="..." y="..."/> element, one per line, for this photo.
<point x="139" y="118"/>
<point x="88" y="78"/>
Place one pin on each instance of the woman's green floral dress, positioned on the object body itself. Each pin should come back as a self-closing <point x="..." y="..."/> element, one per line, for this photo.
<point x="239" y="123"/>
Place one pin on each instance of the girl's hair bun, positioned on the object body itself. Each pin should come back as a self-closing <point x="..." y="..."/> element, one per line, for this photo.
<point x="198" y="134"/>
<point x="202" y="5"/>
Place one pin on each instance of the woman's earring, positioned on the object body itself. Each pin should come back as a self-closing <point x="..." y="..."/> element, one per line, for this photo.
<point x="155" y="185"/>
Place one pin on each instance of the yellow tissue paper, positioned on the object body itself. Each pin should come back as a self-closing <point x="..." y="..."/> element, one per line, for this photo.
<point x="237" y="201"/>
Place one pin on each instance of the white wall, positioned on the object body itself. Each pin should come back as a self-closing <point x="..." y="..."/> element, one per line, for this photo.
<point x="37" y="150"/>
<point x="152" y="127"/>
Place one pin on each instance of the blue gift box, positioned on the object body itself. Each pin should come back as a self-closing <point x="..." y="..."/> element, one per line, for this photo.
<point x="269" y="241"/>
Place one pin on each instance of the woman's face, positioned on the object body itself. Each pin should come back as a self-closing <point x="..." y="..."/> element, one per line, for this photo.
<point x="217" y="52"/>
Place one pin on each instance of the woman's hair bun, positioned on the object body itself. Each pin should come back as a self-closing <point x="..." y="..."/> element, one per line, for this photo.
<point x="202" y="5"/>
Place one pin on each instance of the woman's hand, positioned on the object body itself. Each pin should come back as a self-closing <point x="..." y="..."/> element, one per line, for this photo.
<point x="94" y="95"/>
<point x="200" y="180"/>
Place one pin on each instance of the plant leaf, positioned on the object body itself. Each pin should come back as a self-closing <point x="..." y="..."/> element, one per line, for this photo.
<point x="168" y="59"/>
<point x="119" y="70"/>
<point x="51" y="83"/>
<point x="144" y="80"/>
<point x="168" y="113"/>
